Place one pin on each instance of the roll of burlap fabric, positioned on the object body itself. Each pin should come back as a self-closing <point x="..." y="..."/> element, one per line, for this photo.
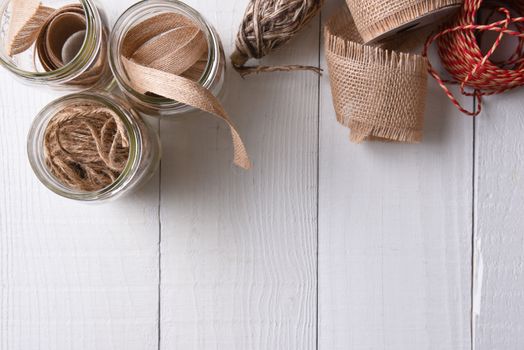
<point x="381" y="18"/>
<point x="58" y="35"/>
<point x="377" y="93"/>
<point x="379" y="90"/>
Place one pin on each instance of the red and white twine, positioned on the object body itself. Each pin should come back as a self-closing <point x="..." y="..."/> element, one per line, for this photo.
<point x="461" y="55"/>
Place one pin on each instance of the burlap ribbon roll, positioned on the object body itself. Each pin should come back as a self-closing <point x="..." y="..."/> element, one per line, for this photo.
<point x="161" y="54"/>
<point x="58" y="35"/>
<point x="377" y="93"/>
<point x="59" y="28"/>
<point x="378" y="19"/>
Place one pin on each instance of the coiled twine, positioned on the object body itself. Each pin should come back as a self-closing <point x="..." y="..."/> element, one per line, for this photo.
<point x="461" y="54"/>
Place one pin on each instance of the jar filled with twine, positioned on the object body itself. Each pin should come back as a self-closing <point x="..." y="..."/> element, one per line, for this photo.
<point x="92" y="147"/>
<point x="57" y="45"/>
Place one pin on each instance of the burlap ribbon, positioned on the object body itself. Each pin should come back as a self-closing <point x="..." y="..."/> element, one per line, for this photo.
<point x="161" y="54"/>
<point x="378" y="91"/>
<point x="27" y="18"/>
<point x="58" y="35"/>
<point x="374" y="18"/>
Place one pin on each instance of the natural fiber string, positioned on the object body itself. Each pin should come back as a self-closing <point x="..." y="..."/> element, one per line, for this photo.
<point x="157" y="54"/>
<point x="377" y="93"/>
<point x="267" y="25"/>
<point x="86" y="147"/>
<point x="463" y="58"/>
<point x="57" y="34"/>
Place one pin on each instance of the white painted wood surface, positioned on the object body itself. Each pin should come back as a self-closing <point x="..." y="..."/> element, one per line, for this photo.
<point x="395" y="233"/>
<point x="499" y="237"/>
<point x="323" y="245"/>
<point x="72" y="276"/>
<point x="239" y="248"/>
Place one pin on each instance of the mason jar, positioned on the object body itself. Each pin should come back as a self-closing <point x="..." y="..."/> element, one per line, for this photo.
<point x="143" y="144"/>
<point x="213" y="74"/>
<point x="87" y="62"/>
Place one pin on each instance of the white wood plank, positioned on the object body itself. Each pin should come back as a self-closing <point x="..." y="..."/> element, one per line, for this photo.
<point x="239" y="248"/>
<point x="72" y="276"/>
<point x="395" y="233"/>
<point x="499" y="239"/>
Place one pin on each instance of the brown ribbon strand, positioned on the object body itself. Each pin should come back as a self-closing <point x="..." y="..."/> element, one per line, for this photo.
<point x="27" y="17"/>
<point x="157" y="53"/>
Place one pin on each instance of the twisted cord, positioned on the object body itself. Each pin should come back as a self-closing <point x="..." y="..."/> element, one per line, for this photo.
<point x="461" y="55"/>
<point x="267" y="25"/>
<point x="86" y="147"/>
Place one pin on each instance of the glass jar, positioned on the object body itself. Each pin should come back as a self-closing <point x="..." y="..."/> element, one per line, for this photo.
<point x="212" y="77"/>
<point x="88" y="68"/>
<point x="144" y="147"/>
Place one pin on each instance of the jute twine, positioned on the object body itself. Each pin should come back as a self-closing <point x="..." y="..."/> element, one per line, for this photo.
<point x="86" y="146"/>
<point x="58" y="35"/>
<point x="373" y="18"/>
<point x="469" y="66"/>
<point x="377" y="93"/>
<point x="267" y="25"/>
<point x="162" y="55"/>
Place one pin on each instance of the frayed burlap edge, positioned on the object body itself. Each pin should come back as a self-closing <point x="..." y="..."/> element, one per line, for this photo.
<point x="408" y="63"/>
<point x="361" y="131"/>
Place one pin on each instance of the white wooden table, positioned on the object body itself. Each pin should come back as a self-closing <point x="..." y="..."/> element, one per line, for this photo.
<point x="323" y="245"/>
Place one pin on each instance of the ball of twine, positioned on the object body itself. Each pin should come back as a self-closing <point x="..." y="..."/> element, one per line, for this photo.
<point x="267" y="25"/>
<point x="461" y="54"/>
<point x="86" y="147"/>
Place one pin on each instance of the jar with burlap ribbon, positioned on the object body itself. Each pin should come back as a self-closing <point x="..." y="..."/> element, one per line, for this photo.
<point x="167" y="59"/>
<point x="63" y="46"/>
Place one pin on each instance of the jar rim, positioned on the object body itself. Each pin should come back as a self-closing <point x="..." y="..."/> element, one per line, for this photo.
<point x="85" y="56"/>
<point x="134" y="15"/>
<point x="36" y="153"/>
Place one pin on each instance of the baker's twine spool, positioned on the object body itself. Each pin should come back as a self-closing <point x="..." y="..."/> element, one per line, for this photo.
<point x="86" y="147"/>
<point x="58" y="35"/>
<point x="160" y="54"/>
<point x="379" y="94"/>
<point x="469" y="67"/>
<point x="267" y="25"/>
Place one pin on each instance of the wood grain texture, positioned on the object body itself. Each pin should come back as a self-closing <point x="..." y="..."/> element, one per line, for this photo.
<point x="395" y="233"/>
<point x="499" y="240"/>
<point x="72" y="276"/>
<point x="239" y="248"/>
